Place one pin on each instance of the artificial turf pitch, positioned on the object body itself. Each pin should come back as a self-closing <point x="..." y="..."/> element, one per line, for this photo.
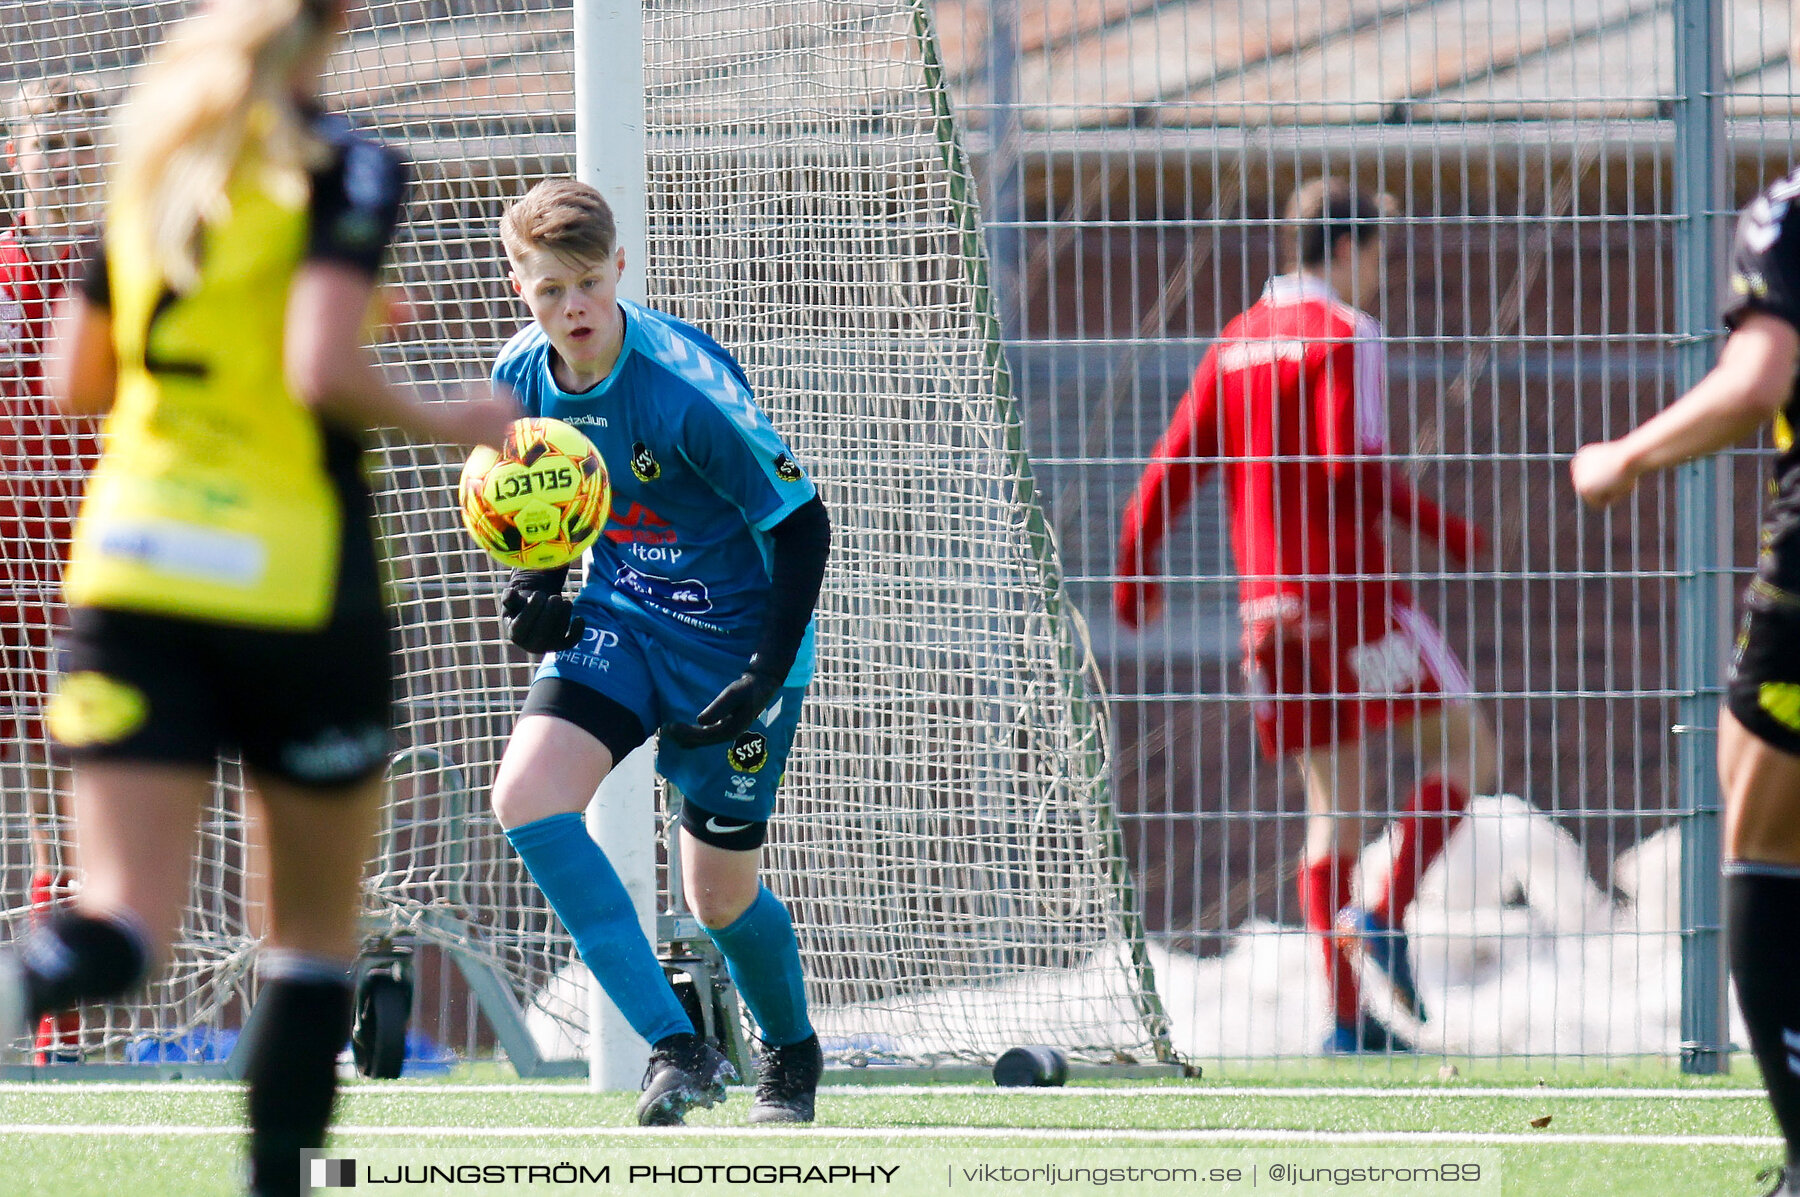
<point x="1643" y="1132"/>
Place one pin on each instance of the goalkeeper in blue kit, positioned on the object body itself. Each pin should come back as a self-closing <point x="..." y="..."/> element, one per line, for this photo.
<point x="695" y="619"/>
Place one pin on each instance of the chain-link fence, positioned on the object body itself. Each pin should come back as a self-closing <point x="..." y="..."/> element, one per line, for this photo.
<point x="1552" y="275"/>
<point x="1563" y="178"/>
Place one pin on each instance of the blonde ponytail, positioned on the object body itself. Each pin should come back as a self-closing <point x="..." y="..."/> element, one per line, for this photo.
<point x="221" y="81"/>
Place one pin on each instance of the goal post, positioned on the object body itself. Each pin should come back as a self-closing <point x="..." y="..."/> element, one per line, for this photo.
<point x="609" y="155"/>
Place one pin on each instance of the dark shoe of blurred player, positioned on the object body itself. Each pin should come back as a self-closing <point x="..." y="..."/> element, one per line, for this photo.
<point x="58" y="1038"/>
<point x="685" y="1071"/>
<point x="1363" y="1037"/>
<point x="1787" y="1181"/>
<point x="787" y="1082"/>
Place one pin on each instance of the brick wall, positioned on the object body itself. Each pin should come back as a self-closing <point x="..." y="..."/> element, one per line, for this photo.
<point x="1572" y="662"/>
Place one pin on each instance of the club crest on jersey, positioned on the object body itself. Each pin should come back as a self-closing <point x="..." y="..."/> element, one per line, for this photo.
<point x="749" y="753"/>
<point x="787" y="469"/>
<point x="644" y="466"/>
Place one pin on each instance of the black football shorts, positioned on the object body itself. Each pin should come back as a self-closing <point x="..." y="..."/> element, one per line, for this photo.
<point x="313" y="708"/>
<point x="1763" y="687"/>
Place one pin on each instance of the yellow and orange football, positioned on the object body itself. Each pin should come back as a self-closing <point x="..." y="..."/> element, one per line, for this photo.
<point x="541" y="500"/>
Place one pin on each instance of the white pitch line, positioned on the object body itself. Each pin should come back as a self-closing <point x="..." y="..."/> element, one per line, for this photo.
<point x="1198" y="1089"/>
<point x="1233" y="1135"/>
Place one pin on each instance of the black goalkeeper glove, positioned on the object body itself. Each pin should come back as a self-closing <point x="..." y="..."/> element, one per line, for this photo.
<point x="535" y="616"/>
<point x="734" y="710"/>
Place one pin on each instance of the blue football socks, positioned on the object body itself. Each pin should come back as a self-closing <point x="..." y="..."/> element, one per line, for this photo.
<point x="591" y="901"/>
<point x="764" y="960"/>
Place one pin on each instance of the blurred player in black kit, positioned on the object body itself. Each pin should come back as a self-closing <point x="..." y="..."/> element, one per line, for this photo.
<point x="1753" y="383"/>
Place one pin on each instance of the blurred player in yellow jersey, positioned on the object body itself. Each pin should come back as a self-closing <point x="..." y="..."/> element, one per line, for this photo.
<point x="223" y="583"/>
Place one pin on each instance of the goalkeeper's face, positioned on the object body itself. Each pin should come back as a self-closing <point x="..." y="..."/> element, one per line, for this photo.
<point x="574" y="299"/>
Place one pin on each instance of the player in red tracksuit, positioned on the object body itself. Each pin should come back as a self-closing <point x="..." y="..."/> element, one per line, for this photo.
<point x="1291" y="400"/>
<point x="44" y="455"/>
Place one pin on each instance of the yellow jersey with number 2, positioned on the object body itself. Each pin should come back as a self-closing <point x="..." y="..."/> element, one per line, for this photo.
<point x="217" y="495"/>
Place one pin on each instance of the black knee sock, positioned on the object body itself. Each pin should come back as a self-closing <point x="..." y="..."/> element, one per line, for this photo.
<point x="77" y="958"/>
<point x="301" y="1022"/>
<point x="1763" y="934"/>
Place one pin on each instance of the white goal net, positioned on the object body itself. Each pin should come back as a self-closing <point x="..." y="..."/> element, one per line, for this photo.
<point x="945" y="838"/>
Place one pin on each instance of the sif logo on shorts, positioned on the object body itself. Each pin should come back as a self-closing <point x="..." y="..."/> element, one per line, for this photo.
<point x="1781" y="702"/>
<point x="92" y="708"/>
<point x="749" y="753"/>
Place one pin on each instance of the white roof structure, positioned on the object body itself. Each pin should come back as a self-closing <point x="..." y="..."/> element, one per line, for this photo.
<point x="1081" y="65"/>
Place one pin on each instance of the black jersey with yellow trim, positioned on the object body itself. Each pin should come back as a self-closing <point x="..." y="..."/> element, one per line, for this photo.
<point x="220" y="495"/>
<point x="1765" y="277"/>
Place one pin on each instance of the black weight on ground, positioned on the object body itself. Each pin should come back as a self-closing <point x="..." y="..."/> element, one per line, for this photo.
<point x="1031" y="1066"/>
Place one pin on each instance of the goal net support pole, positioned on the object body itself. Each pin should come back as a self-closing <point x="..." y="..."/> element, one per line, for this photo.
<point x="609" y="155"/>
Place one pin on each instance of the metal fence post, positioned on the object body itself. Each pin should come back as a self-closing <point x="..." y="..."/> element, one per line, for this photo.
<point x="1002" y="201"/>
<point x="1702" y="533"/>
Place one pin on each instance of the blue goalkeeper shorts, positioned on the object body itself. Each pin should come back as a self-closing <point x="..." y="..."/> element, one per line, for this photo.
<point x="672" y="683"/>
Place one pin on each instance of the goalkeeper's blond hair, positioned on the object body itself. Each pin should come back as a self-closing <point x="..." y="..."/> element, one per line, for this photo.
<point x="225" y="77"/>
<point x="565" y="216"/>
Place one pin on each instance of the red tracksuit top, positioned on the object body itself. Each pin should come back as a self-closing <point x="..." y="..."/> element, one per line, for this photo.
<point x="1291" y="399"/>
<point x="44" y="455"/>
